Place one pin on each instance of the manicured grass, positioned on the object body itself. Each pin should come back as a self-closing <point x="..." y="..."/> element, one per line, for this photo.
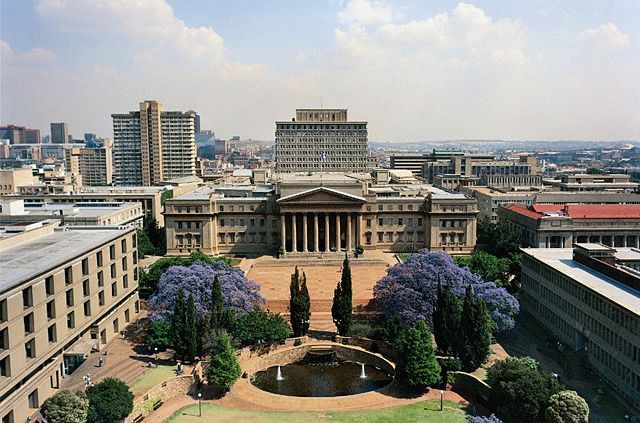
<point x="151" y="378"/>
<point x="424" y="412"/>
<point x="611" y="406"/>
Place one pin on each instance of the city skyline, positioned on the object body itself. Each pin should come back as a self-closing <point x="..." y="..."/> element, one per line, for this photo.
<point x="415" y="71"/>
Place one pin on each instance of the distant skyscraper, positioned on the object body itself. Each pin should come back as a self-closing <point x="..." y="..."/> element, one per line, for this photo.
<point x="59" y="133"/>
<point x="197" y="124"/>
<point x="19" y="134"/>
<point x="93" y="164"/>
<point x="151" y="145"/>
<point x="32" y="136"/>
<point x="321" y="140"/>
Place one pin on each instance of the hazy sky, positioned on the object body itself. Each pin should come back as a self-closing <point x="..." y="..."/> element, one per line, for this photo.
<point x="416" y="70"/>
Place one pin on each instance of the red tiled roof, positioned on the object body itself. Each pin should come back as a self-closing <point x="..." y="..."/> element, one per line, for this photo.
<point x="546" y="208"/>
<point x="603" y="211"/>
<point x="520" y="209"/>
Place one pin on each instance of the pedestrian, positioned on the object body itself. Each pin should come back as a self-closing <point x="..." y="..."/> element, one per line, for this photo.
<point x="100" y="361"/>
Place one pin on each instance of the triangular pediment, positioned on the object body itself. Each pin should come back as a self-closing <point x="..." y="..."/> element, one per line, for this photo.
<point x="321" y="195"/>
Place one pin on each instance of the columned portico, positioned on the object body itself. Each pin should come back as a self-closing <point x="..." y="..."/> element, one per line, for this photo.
<point x="316" y="233"/>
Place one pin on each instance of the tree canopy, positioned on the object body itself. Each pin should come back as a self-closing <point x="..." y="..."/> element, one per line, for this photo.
<point x="224" y="368"/>
<point x="409" y="290"/>
<point x="342" y="308"/>
<point x="299" y="303"/>
<point x="418" y="366"/>
<point x="239" y="294"/>
<point x="110" y="401"/>
<point x="567" y="407"/>
<point x="66" y="407"/>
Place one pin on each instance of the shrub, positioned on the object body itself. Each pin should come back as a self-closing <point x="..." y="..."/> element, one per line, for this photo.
<point x="418" y="366"/>
<point x="110" y="401"/>
<point x="567" y="407"/>
<point x="224" y="368"/>
<point x="66" y="407"/>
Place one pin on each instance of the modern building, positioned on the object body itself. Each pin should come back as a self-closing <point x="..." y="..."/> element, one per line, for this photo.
<point x="93" y="164"/>
<point x="12" y="179"/>
<point x="589" y="299"/>
<point x="151" y="145"/>
<point x="321" y="140"/>
<point x="19" y="134"/>
<point x="589" y="182"/>
<point x="560" y="226"/>
<point x="319" y="214"/>
<point x="59" y="133"/>
<point x="63" y="294"/>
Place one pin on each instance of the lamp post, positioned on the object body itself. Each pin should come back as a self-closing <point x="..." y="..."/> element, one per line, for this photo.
<point x="156" y="350"/>
<point x="199" y="404"/>
<point x="441" y="399"/>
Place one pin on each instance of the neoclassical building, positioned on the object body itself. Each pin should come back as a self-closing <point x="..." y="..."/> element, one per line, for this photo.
<point x="320" y="213"/>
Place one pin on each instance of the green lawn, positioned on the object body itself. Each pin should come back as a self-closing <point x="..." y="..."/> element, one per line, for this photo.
<point x="151" y="378"/>
<point x="611" y="406"/>
<point x="424" y="412"/>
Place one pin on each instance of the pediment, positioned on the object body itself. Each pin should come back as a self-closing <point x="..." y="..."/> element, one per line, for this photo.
<point x="321" y="195"/>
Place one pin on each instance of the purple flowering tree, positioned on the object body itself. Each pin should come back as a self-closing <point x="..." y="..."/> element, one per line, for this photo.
<point x="410" y="289"/>
<point x="238" y="293"/>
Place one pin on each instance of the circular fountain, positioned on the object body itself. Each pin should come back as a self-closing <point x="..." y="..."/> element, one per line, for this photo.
<point x="322" y="371"/>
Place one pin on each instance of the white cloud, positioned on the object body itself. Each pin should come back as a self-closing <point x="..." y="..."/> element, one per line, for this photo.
<point x="367" y="12"/>
<point x="38" y="55"/>
<point x="606" y="37"/>
<point x="5" y="49"/>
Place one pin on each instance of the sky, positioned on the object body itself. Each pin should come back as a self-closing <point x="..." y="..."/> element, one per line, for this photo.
<point x="415" y="70"/>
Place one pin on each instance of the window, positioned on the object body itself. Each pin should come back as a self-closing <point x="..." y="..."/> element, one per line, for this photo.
<point x="380" y="222"/>
<point x="419" y="221"/>
<point x="48" y="285"/>
<point x="262" y="223"/>
<point x="71" y="320"/>
<point x="410" y="207"/>
<point x="85" y="288"/>
<point x="410" y="223"/>
<point x="3" y="311"/>
<point x="28" y="323"/>
<point x="5" y="369"/>
<point x="99" y="258"/>
<point x="113" y="270"/>
<point x="87" y="308"/>
<point x="112" y="252"/>
<point x="222" y="223"/>
<point x="52" y="336"/>
<point x="123" y="245"/>
<point x="85" y="267"/>
<point x="68" y="275"/>
<point x="4" y="339"/>
<point x="221" y="236"/>
<point x="51" y="309"/>
<point x="232" y="237"/>
<point x="124" y="264"/>
<point x="252" y="223"/>
<point x="221" y="208"/>
<point x="241" y="222"/>
<point x="127" y="316"/>
<point x="400" y="207"/>
<point x="380" y="235"/>
<point x="114" y="289"/>
<point x="399" y="221"/>
<point x="116" y="326"/>
<point x="100" y="278"/>
<point x="33" y="399"/>
<point x="101" y="298"/>
<point x="30" y="348"/>
<point x="27" y="297"/>
<point x="380" y="207"/>
<point x="69" y="296"/>
<point x="125" y="281"/>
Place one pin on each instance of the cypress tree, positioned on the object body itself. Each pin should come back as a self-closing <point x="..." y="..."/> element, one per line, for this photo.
<point x="224" y="368"/>
<point x="305" y="305"/>
<point x="294" y="303"/>
<point x="178" y="324"/>
<point x="475" y="332"/>
<point x="342" y="301"/>
<point x="217" y="305"/>
<point x="190" y="336"/>
<point x="418" y="366"/>
<point x="439" y="318"/>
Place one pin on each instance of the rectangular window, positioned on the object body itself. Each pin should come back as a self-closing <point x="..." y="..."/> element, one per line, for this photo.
<point x="87" y="308"/>
<point x="3" y="311"/>
<point x="368" y="223"/>
<point x="113" y="270"/>
<point x="123" y="245"/>
<point x="51" y="309"/>
<point x="114" y="289"/>
<point x="48" y="285"/>
<point x="30" y="348"/>
<point x="112" y="252"/>
<point x="410" y="223"/>
<point x="232" y="237"/>
<point x="68" y="275"/>
<point x="100" y="278"/>
<point x="380" y="235"/>
<point x="252" y="223"/>
<point x="419" y="221"/>
<point x="4" y="339"/>
<point x="127" y="316"/>
<point x="101" y="298"/>
<point x="33" y="399"/>
<point x="241" y="222"/>
<point x="124" y="264"/>
<point x="116" y="326"/>
<point x="71" y="320"/>
<point x="85" y="288"/>
<point x="221" y="208"/>
<point x="28" y="323"/>
<point x="125" y="281"/>
<point x="69" y="297"/>
<point x="52" y="336"/>
<point x="27" y="297"/>
<point x="221" y="236"/>
<point x="399" y="221"/>
<point x="99" y="258"/>
<point x="85" y="267"/>
<point x="380" y="222"/>
<point x="5" y="369"/>
<point x="410" y="207"/>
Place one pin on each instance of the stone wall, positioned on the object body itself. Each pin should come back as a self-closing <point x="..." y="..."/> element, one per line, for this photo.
<point x="143" y="406"/>
<point x="375" y="346"/>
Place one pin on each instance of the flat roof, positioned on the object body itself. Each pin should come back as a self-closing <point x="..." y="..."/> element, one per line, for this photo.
<point x="561" y="259"/>
<point x="38" y="256"/>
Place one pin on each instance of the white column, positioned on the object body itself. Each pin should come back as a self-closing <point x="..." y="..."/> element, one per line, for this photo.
<point x="283" y="233"/>
<point x="338" y="242"/>
<point x="316" y="233"/>
<point x="305" y="242"/>
<point x="326" y="232"/>
<point x="294" y="233"/>
<point x="349" y="217"/>
<point x="359" y="229"/>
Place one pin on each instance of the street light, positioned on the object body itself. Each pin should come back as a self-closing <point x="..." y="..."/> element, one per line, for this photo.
<point x="199" y="404"/>
<point x="441" y="398"/>
<point x="156" y="349"/>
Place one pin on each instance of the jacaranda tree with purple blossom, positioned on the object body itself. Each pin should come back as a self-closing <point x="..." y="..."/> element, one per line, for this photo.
<point x="409" y="290"/>
<point x="239" y="294"/>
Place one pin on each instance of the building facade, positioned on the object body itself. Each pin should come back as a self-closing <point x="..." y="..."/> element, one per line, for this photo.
<point x="319" y="214"/>
<point x="560" y="226"/>
<point x="12" y="179"/>
<point x="321" y="140"/>
<point x="589" y="301"/>
<point x="59" y="133"/>
<point x="63" y="294"/>
<point x="597" y="182"/>
<point x="94" y="165"/>
<point x="151" y="145"/>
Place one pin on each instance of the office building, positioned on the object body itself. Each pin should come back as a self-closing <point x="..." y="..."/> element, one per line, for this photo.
<point x="152" y="145"/>
<point x="93" y="164"/>
<point x="19" y="134"/>
<point x="321" y="140"/>
<point x="59" y="133"/>
<point x="63" y="295"/>
<point x="12" y="179"/>
<point x="318" y="214"/>
<point x="596" y="182"/>
<point x="589" y="298"/>
<point x="560" y="226"/>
